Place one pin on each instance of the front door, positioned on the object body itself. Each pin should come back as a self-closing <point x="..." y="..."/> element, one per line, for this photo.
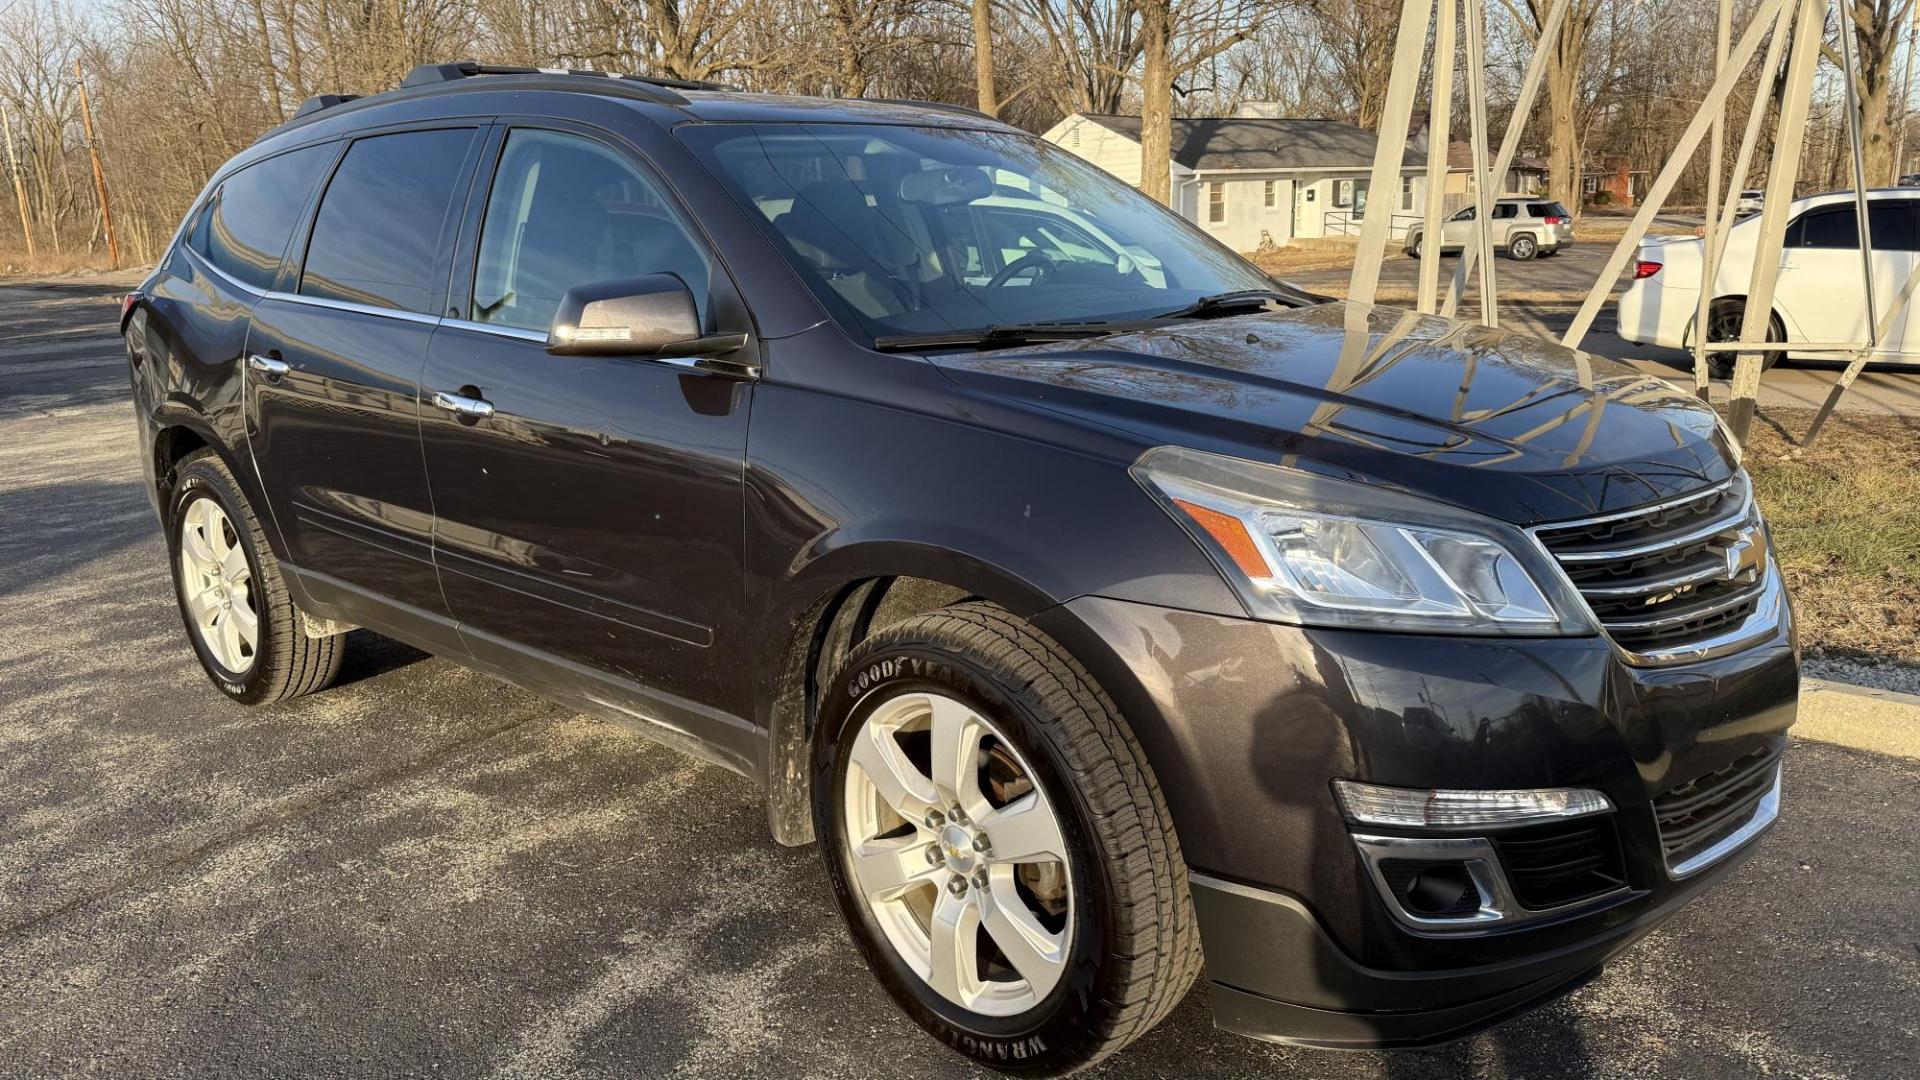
<point x="335" y="373"/>
<point x="593" y="522"/>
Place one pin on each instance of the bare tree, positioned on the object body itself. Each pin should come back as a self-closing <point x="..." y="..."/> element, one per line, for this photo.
<point x="1096" y="43"/>
<point x="1565" y="61"/>
<point x="1177" y="38"/>
<point x="1877" y="27"/>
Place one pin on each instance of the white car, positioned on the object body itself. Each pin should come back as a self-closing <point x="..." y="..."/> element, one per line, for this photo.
<point x="1820" y="297"/>
<point x="1749" y="202"/>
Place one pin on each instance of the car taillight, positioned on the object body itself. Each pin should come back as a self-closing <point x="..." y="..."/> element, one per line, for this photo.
<point x="1644" y="269"/>
<point x="126" y="305"/>
<point x="1553" y="219"/>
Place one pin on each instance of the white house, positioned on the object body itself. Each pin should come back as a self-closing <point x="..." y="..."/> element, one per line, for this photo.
<point x="1249" y="180"/>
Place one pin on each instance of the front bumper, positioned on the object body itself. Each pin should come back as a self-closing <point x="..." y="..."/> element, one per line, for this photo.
<point x="1246" y="723"/>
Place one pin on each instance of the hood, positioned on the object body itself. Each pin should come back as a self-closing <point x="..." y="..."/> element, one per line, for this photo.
<point x="1504" y="424"/>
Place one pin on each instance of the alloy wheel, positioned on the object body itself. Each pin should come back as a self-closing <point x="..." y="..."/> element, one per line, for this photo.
<point x="957" y="855"/>
<point x="217" y="582"/>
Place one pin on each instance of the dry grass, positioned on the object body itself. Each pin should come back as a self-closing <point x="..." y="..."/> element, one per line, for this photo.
<point x="45" y="264"/>
<point x="1304" y="255"/>
<point x="1846" y="522"/>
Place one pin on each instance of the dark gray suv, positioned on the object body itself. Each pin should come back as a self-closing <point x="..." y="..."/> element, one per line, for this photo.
<point x="1102" y="608"/>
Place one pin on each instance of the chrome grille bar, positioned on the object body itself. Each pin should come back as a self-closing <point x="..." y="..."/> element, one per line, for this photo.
<point x="1670" y="578"/>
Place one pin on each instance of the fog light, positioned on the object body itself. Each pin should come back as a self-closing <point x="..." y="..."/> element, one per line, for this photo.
<point x="1439" y="808"/>
<point x="1439" y="890"/>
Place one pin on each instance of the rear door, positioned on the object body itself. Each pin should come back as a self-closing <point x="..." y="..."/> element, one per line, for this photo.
<point x="592" y="524"/>
<point x="336" y="360"/>
<point x="1820" y="289"/>
<point x="228" y="258"/>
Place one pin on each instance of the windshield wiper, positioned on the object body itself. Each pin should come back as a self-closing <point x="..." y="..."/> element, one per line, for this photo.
<point x="1222" y="303"/>
<point x="1001" y="336"/>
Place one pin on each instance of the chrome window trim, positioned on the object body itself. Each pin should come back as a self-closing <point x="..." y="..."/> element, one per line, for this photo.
<point x="517" y="333"/>
<point x="1499" y="909"/>
<point x="207" y="264"/>
<point x="359" y="309"/>
<point x="1765" y="813"/>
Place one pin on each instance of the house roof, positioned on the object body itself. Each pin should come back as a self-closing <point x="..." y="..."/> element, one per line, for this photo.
<point x="1460" y="156"/>
<point x="1262" y="143"/>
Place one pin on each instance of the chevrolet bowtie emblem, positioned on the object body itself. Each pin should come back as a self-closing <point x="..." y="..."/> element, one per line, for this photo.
<point x="1745" y="554"/>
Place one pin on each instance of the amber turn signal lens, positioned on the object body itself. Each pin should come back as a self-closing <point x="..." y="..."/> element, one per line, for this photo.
<point x="1231" y="534"/>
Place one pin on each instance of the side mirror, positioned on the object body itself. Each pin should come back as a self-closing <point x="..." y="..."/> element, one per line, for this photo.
<point x="640" y="316"/>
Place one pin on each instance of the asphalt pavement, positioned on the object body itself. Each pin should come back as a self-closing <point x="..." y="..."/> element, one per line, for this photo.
<point x="423" y="872"/>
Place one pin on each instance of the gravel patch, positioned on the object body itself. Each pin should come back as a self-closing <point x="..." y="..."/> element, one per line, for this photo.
<point x="1863" y="671"/>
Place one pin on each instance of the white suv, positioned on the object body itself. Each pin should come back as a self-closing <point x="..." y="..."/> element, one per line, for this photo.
<point x="1522" y="227"/>
<point x="1821" y="296"/>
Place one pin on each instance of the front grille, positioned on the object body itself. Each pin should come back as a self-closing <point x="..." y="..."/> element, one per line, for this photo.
<point x="1704" y="811"/>
<point x="1669" y="575"/>
<point x="1550" y="866"/>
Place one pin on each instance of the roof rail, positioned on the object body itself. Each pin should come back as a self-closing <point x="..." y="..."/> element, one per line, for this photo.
<point x="321" y="101"/>
<point x="680" y="84"/>
<point x="942" y="106"/>
<point x="428" y="74"/>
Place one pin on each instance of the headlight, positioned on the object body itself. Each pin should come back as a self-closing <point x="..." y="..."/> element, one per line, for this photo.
<point x="1309" y="549"/>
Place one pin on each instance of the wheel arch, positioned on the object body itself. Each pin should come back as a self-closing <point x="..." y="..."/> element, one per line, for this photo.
<point x="837" y="609"/>
<point x="178" y="434"/>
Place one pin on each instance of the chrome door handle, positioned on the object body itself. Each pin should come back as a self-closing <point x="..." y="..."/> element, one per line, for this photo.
<point x="268" y="366"/>
<point x="474" y="408"/>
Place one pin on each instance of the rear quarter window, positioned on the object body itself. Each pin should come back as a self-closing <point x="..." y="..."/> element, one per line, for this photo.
<point x="245" y="231"/>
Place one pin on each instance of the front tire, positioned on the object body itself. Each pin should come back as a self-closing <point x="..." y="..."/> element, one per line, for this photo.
<point x="243" y="626"/>
<point x="1048" y="923"/>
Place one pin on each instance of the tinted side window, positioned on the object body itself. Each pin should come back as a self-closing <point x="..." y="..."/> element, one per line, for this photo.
<point x="1830" y="228"/>
<point x="1502" y="211"/>
<point x="256" y="211"/>
<point x="1893" y="224"/>
<point x="567" y="211"/>
<point x="376" y="239"/>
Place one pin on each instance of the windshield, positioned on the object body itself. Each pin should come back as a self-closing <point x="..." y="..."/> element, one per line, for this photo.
<point x="907" y="230"/>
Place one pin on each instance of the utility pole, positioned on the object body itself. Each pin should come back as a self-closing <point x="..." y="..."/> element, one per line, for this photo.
<point x="99" y="174"/>
<point x="19" y="185"/>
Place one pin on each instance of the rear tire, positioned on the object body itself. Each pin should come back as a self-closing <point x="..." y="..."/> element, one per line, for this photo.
<point x="1413" y="247"/>
<point x="243" y="627"/>
<point x="1724" y="319"/>
<point x="1116" y="914"/>
<point x="1523" y="247"/>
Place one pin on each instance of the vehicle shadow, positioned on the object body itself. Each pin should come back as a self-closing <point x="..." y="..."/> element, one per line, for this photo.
<point x="369" y="656"/>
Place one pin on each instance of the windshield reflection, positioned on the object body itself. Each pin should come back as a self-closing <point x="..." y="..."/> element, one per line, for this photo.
<point x="911" y="230"/>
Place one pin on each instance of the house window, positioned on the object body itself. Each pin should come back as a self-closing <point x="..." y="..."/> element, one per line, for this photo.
<point x="1216" y="203"/>
<point x="1270" y="194"/>
<point x="1590" y="184"/>
<point x="1406" y="193"/>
